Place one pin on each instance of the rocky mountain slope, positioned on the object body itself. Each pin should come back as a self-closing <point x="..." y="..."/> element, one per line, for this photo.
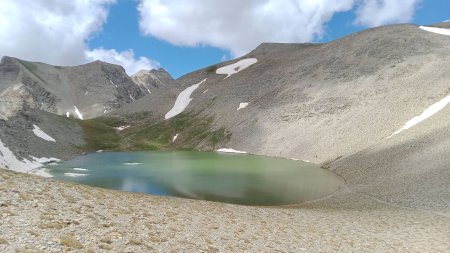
<point x="84" y="92"/>
<point x="301" y="99"/>
<point x="38" y="100"/>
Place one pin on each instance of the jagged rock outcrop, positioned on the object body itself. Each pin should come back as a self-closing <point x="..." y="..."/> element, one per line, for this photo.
<point x="85" y="91"/>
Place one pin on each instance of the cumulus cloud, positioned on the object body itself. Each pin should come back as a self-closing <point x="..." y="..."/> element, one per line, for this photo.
<point x="380" y="12"/>
<point x="126" y="59"/>
<point x="237" y="25"/>
<point x="240" y="26"/>
<point x="54" y="31"/>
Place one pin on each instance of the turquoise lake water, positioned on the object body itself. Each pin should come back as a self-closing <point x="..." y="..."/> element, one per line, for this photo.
<point x="231" y="178"/>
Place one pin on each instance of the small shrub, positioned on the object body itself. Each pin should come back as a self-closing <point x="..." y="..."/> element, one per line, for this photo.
<point x="133" y="241"/>
<point x="105" y="246"/>
<point x="70" y="242"/>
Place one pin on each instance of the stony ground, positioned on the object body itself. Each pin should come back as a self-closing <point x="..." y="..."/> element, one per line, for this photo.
<point x="44" y="215"/>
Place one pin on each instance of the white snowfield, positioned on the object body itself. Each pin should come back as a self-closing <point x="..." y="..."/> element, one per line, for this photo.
<point x="67" y="114"/>
<point x="183" y="100"/>
<point x="121" y="128"/>
<point x="430" y="111"/>
<point x="9" y="161"/>
<point x="75" y="174"/>
<point x="242" y="106"/>
<point x="41" y="134"/>
<point x="175" y="138"/>
<point x="80" y="169"/>
<point x="80" y="116"/>
<point x="132" y="163"/>
<point x="236" y="67"/>
<point x="230" y="150"/>
<point x="437" y="30"/>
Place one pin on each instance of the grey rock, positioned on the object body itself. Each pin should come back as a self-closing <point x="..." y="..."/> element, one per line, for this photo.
<point x="95" y="88"/>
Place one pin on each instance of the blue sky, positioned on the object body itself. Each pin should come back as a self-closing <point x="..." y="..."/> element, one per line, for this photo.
<point x="121" y="31"/>
<point x="428" y="12"/>
<point x="183" y="36"/>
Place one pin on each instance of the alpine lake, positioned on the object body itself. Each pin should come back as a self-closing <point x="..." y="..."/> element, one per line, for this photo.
<point x="231" y="178"/>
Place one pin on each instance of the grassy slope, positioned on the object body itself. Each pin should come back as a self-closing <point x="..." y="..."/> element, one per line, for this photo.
<point x="194" y="132"/>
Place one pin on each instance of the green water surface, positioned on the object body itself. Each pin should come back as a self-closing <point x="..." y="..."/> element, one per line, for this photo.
<point x="232" y="178"/>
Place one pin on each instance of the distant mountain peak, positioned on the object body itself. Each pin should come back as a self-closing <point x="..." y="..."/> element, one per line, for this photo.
<point x="152" y="79"/>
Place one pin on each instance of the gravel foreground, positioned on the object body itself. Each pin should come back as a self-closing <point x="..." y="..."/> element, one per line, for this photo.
<point x="45" y="215"/>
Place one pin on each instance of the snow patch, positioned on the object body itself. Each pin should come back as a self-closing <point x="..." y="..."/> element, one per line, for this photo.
<point x="437" y="30"/>
<point x="80" y="116"/>
<point x="205" y="91"/>
<point x="41" y="134"/>
<point x="296" y="159"/>
<point x="9" y="161"/>
<point x="80" y="169"/>
<point x="111" y="82"/>
<point x="175" y="138"/>
<point x="99" y="151"/>
<point x="69" y="174"/>
<point x="242" y="106"/>
<point x="230" y="150"/>
<point x="132" y="163"/>
<point x="67" y="114"/>
<point x="132" y="98"/>
<point x="236" y="67"/>
<point x="430" y="111"/>
<point x="121" y="128"/>
<point x="183" y="100"/>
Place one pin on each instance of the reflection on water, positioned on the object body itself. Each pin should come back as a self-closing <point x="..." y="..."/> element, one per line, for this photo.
<point x="240" y="179"/>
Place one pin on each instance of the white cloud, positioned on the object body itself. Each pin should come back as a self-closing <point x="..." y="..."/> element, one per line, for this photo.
<point x="240" y="26"/>
<point x="126" y="59"/>
<point x="380" y="12"/>
<point x="237" y="25"/>
<point x="49" y="30"/>
<point x="56" y="32"/>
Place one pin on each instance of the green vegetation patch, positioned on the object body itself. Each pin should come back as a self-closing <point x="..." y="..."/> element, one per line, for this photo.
<point x="100" y="134"/>
<point x="194" y="132"/>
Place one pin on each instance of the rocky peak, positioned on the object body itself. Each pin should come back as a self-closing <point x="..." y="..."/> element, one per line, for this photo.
<point x="149" y="80"/>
